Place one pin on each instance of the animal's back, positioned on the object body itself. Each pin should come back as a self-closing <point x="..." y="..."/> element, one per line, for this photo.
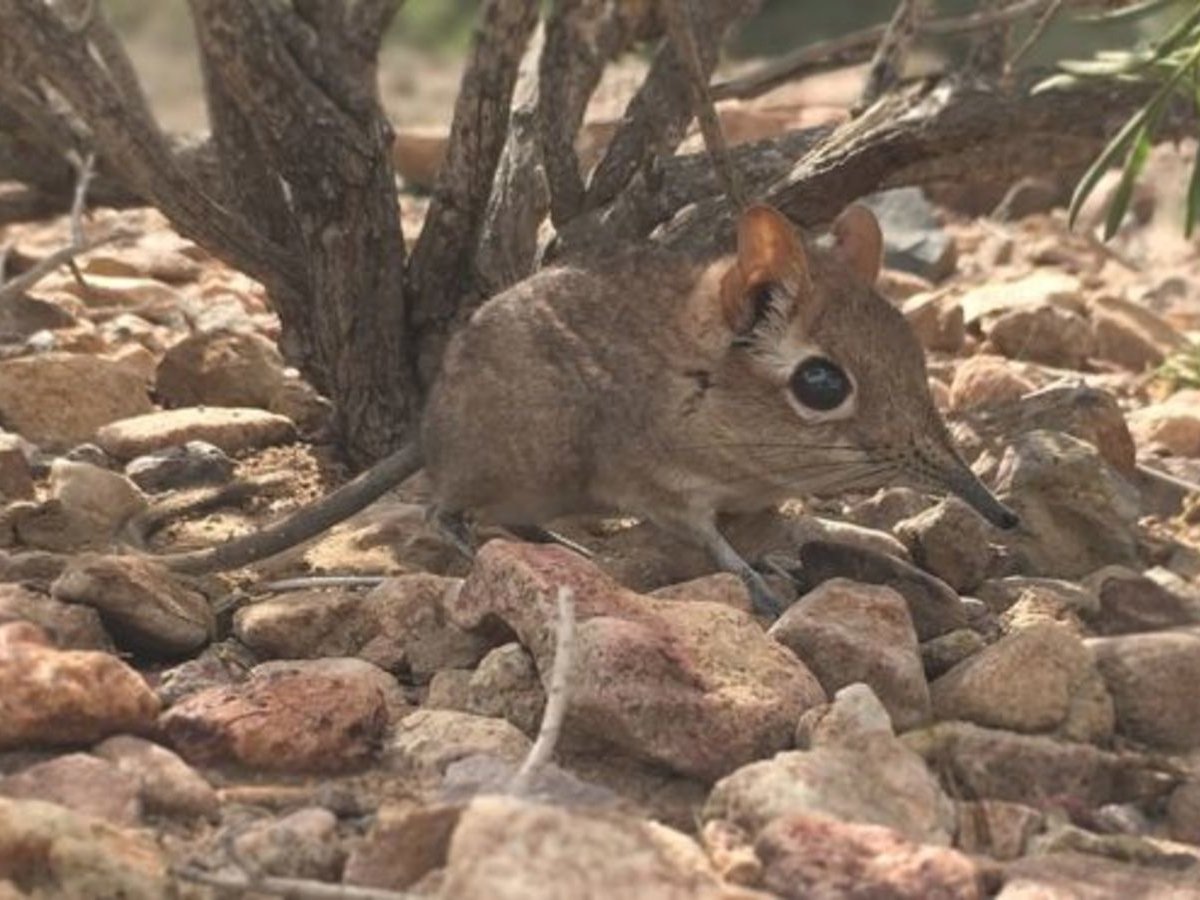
<point x="535" y="387"/>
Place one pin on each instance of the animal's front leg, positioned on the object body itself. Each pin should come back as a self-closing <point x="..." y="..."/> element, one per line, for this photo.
<point x="704" y="533"/>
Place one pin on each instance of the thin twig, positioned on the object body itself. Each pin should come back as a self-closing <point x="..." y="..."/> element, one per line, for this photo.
<point x="679" y="25"/>
<point x="321" y="581"/>
<point x="888" y="61"/>
<point x="556" y="696"/>
<point x="293" y="888"/>
<point x="856" y="47"/>
<point x="1053" y="7"/>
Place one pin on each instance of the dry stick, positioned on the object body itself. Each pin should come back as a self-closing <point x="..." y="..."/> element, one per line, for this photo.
<point x="857" y="47"/>
<point x="680" y="27"/>
<point x="293" y="888"/>
<point x="556" y="696"/>
<point x="887" y="63"/>
<point x="79" y="244"/>
<point x="1053" y="7"/>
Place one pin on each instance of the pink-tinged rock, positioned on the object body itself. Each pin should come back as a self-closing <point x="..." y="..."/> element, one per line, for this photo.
<point x="81" y="783"/>
<point x="166" y="784"/>
<point x="510" y="849"/>
<point x="1086" y="876"/>
<point x="299" y="717"/>
<point x="1173" y="425"/>
<point x="54" y="697"/>
<point x="873" y="779"/>
<point x="695" y="686"/>
<point x="406" y="842"/>
<point x="814" y="858"/>
<point x="848" y="632"/>
<point x="985" y="382"/>
<point x="60" y="399"/>
<point x="997" y="828"/>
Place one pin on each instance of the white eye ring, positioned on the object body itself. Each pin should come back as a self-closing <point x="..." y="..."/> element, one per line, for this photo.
<point x="820" y="390"/>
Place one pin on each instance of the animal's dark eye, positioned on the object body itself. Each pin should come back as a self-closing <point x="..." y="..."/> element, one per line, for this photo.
<point x="820" y="384"/>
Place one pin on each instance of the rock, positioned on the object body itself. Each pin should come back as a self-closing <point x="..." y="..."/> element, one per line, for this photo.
<point x="69" y="627"/>
<point x="1173" y="425"/>
<point x="848" y="632"/>
<point x="1131" y="335"/>
<point x="806" y="856"/>
<point x="874" y="779"/>
<point x="60" y="399"/>
<point x="505" y="848"/>
<point x="166" y="784"/>
<point x="888" y="506"/>
<point x="996" y="828"/>
<point x="54" y="697"/>
<point x="720" y="587"/>
<point x="937" y="320"/>
<point x="81" y="783"/>
<point x="406" y="842"/>
<point x="1001" y="594"/>
<point x="1152" y="680"/>
<point x="731" y="853"/>
<point x="1041" y="287"/>
<point x="448" y="689"/>
<point x="1037" y="680"/>
<point x="429" y="740"/>
<point x="942" y="653"/>
<point x="52" y="852"/>
<point x="914" y="240"/>
<point x="933" y="605"/>
<point x="949" y="540"/>
<point x="221" y="368"/>
<point x="853" y="712"/>
<point x="400" y="626"/>
<point x="141" y="604"/>
<point x="417" y="154"/>
<point x="1076" y="513"/>
<point x="16" y="480"/>
<point x="231" y="429"/>
<point x="1084" y="876"/>
<point x="23" y="316"/>
<point x="88" y="508"/>
<point x="694" y="686"/>
<point x="506" y="685"/>
<point x="1183" y="813"/>
<point x="1003" y="765"/>
<point x="194" y="464"/>
<point x="302" y="844"/>
<point x="227" y="662"/>
<point x="35" y="569"/>
<point x="301" y="717"/>
<point x="986" y="382"/>
<point x="1048" y="335"/>
<point x="1130" y="603"/>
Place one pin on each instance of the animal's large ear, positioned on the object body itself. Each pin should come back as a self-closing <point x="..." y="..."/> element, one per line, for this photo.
<point x="859" y="241"/>
<point x="770" y="267"/>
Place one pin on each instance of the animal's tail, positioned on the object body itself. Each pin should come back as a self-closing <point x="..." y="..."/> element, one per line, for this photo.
<point x="304" y="523"/>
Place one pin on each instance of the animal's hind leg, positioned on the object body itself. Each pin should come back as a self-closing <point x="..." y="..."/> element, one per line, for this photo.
<point x="454" y="527"/>
<point x="536" y="534"/>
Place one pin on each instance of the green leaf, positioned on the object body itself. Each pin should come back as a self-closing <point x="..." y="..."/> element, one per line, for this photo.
<point x="1055" y="83"/>
<point x="1134" y="163"/>
<point x="1179" y="35"/>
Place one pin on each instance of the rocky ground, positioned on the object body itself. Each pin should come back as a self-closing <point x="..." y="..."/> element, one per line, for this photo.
<point x="944" y="712"/>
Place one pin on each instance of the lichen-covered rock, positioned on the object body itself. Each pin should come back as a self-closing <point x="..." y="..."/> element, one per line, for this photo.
<point x="695" y="686"/>
<point x="1040" y="679"/>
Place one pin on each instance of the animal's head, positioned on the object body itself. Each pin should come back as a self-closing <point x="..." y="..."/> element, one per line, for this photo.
<point x="825" y="381"/>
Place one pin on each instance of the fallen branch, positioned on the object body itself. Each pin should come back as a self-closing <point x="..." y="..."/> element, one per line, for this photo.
<point x="556" y="695"/>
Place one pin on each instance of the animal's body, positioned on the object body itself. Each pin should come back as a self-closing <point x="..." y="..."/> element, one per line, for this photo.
<point x="675" y="390"/>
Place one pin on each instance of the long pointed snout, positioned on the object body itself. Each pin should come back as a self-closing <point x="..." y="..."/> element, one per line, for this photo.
<point x="966" y="484"/>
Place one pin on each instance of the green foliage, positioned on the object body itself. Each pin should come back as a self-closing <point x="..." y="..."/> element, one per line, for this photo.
<point x="1172" y="65"/>
<point x="1182" y="369"/>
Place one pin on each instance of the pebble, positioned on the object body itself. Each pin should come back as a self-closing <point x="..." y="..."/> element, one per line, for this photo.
<point x="83" y="784"/>
<point x="231" y="429"/>
<point x="194" y="464"/>
<point x="166" y="784"/>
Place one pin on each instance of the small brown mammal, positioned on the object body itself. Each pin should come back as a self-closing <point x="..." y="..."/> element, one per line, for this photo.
<point x="674" y="391"/>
